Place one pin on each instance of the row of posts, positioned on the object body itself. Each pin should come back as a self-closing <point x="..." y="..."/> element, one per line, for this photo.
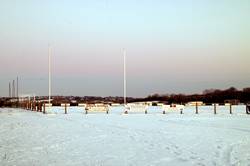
<point x="215" y="108"/>
<point x="41" y="107"/>
<point x="197" y="109"/>
<point x="33" y="106"/>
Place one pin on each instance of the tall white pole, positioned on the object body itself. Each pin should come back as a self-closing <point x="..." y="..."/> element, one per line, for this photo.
<point x="13" y="89"/>
<point x="124" y="79"/>
<point x="9" y="89"/>
<point x="17" y="86"/>
<point x="49" y="73"/>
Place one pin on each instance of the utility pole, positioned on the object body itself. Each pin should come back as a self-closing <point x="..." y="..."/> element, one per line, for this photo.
<point x="13" y="88"/>
<point x="17" y="95"/>
<point x="9" y="89"/>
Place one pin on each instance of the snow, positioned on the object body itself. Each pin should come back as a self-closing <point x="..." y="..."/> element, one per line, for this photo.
<point x="32" y="138"/>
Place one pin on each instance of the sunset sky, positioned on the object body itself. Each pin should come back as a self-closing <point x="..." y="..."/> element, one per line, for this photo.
<point x="180" y="46"/>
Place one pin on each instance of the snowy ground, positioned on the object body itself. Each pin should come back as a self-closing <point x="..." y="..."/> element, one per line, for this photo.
<point x="31" y="138"/>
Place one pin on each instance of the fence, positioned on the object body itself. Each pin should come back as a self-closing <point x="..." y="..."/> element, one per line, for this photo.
<point x="65" y="108"/>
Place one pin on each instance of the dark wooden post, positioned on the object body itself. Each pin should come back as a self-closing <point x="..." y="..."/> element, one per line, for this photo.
<point x="215" y="111"/>
<point x="32" y="106"/>
<point x="41" y="107"/>
<point x="65" y="108"/>
<point x="86" y="110"/>
<point x="44" y="111"/>
<point x="164" y="112"/>
<point x="230" y="108"/>
<point x="181" y="111"/>
<point x="196" y="108"/>
<point x="248" y="109"/>
<point x="126" y="110"/>
<point x="36" y="105"/>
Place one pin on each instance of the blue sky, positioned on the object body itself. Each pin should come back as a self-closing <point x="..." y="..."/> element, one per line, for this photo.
<point x="172" y="46"/>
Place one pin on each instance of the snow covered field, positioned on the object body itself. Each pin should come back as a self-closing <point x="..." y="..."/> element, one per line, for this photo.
<point x="31" y="138"/>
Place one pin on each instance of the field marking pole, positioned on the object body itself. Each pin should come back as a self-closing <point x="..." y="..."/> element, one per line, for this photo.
<point x="196" y="108"/>
<point x="44" y="111"/>
<point x="215" y="111"/>
<point x="230" y="108"/>
<point x="65" y="108"/>
<point x="86" y="110"/>
<point x="107" y="111"/>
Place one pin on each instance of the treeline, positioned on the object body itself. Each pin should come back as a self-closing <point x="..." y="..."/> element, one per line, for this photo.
<point x="208" y="96"/>
<point x="57" y="100"/>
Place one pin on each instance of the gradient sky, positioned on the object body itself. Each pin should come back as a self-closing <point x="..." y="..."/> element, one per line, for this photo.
<point x="180" y="46"/>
